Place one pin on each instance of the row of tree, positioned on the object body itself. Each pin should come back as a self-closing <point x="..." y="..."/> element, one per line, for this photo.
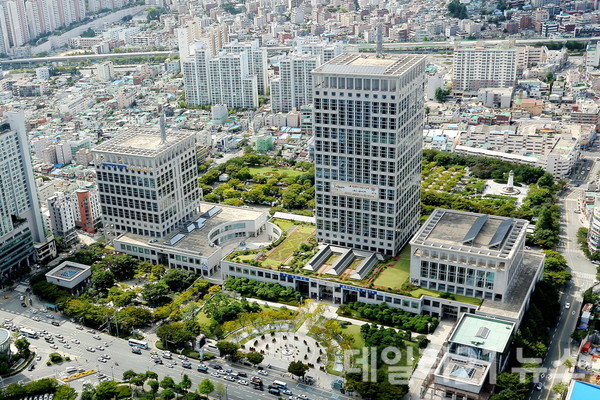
<point x="262" y="290"/>
<point x="392" y="316"/>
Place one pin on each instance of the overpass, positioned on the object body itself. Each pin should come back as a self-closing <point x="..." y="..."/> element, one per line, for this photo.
<point x="401" y="46"/>
<point x="83" y="57"/>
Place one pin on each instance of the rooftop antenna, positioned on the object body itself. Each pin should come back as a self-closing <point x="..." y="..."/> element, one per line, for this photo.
<point x="379" y="34"/>
<point x="163" y="129"/>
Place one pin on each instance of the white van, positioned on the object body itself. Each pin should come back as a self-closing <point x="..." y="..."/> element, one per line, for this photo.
<point x="71" y="370"/>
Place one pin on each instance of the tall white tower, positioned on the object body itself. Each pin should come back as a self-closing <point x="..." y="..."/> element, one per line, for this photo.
<point x="367" y="122"/>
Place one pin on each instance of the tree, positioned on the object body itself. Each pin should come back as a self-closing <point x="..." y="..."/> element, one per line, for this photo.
<point x="65" y="392"/>
<point x="127" y="375"/>
<point x="102" y="280"/>
<point x="206" y="386"/>
<point x="155" y="13"/>
<point x="174" y="333"/>
<point x="220" y="390"/>
<point x="88" y="33"/>
<point x="167" y="383"/>
<point x="297" y="368"/>
<point x="440" y="95"/>
<point x="178" y="279"/>
<point x="151" y="375"/>
<point x="546" y="180"/>
<point x="122" y="266"/>
<point x="168" y="394"/>
<point x="186" y="382"/>
<point x="568" y="363"/>
<point x="254" y="358"/>
<point x="22" y="346"/>
<point x="106" y="390"/>
<point x="227" y="348"/>
<point x="156" y="294"/>
<point x="560" y="389"/>
<point x="154" y="385"/>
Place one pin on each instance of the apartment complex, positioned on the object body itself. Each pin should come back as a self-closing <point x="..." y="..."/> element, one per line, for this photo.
<point x="367" y="122"/>
<point x="147" y="182"/>
<point x="257" y="60"/>
<point x="20" y="216"/>
<point x="293" y="87"/>
<point x="478" y="68"/>
<point x="225" y="79"/>
<point x="88" y="214"/>
<point x="62" y="218"/>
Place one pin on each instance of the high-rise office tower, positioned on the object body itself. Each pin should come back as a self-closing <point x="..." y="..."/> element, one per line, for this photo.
<point x="367" y="122"/>
<point x="20" y="216"/>
<point x="148" y="183"/>
<point x="477" y="68"/>
<point x="293" y="87"/>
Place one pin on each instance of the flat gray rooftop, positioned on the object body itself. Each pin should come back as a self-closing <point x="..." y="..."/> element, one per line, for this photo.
<point x="142" y="142"/>
<point x="470" y="232"/>
<point x="514" y="299"/>
<point x="68" y="271"/>
<point x="195" y="239"/>
<point x="369" y="64"/>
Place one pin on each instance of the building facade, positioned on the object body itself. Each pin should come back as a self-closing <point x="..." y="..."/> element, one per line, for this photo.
<point x="367" y="122"/>
<point x="293" y="88"/>
<point x="477" y="68"/>
<point x="147" y="182"/>
<point x="62" y="218"/>
<point x="21" y="221"/>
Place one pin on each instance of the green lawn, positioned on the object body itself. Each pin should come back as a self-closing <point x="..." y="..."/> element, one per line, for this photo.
<point x="202" y="318"/>
<point x="394" y="277"/>
<point x="291" y="243"/>
<point x="274" y="171"/>
<point x="283" y="224"/>
<point x="433" y="293"/>
<point x="354" y="331"/>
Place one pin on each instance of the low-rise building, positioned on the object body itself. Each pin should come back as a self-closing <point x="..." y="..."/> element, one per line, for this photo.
<point x="70" y="275"/>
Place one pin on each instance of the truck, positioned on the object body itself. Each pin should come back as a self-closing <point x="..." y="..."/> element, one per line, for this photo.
<point x="203" y="368"/>
<point x="255" y="380"/>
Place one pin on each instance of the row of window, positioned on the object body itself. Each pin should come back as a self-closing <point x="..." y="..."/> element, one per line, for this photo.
<point x="457" y="274"/>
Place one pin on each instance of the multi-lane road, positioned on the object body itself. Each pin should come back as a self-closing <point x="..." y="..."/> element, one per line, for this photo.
<point x="562" y="347"/>
<point x="122" y="359"/>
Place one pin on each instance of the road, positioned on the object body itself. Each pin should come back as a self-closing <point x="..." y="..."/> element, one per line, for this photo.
<point x="83" y="57"/>
<point x="122" y="359"/>
<point x="562" y="347"/>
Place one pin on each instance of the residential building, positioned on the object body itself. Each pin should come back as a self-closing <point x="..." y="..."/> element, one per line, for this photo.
<point x="20" y="216"/>
<point x="230" y="81"/>
<point x="257" y="60"/>
<point x="315" y="47"/>
<point x="62" y="218"/>
<point x="367" y="122"/>
<point x="195" y="75"/>
<point x="592" y="56"/>
<point x="88" y="213"/>
<point x="147" y="182"/>
<point x="293" y="88"/>
<point x="476" y="68"/>
<point x="105" y="71"/>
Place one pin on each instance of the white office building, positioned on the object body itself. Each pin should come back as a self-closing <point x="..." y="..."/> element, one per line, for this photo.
<point x="367" y="122"/>
<point x="148" y="183"/>
<point x="293" y="88"/>
<point x="20" y="216"/>
<point x="477" y="68"/>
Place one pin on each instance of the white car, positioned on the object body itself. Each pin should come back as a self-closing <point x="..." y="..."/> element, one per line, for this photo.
<point x="243" y="382"/>
<point x="75" y="341"/>
<point x="53" y="346"/>
<point x="91" y="349"/>
<point x="100" y="348"/>
<point x="303" y="396"/>
<point x="67" y="346"/>
<point x="264" y="373"/>
<point x="58" y="335"/>
<point x="106" y="356"/>
<point x="567" y="305"/>
<point x="97" y="337"/>
<point x="102" y="360"/>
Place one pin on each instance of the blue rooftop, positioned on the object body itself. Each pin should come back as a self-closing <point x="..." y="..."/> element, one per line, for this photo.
<point x="585" y="391"/>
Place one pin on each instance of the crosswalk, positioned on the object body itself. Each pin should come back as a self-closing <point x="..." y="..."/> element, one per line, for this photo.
<point x="584" y="276"/>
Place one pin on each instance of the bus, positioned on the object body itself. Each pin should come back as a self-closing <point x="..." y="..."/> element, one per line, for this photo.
<point x="280" y="385"/>
<point x="30" y="333"/>
<point x="138" y="343"/>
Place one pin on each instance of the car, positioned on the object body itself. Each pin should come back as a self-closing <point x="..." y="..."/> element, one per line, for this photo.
<point x="229" y="370"/>
<point x="67" y="346"/>
<point x="216" y="366"/>
<point x="264" y="373"/>
<point x="567" y="305"/>
<point x="214" y="374"/>
<point x="75" y="341"/>
<point x="23" y="305"/>
<point x="91" y="349"/>
<point x="303" y="396"/>
<point x="186" y="364"/>
<point x="37" y="319"/>
<point x="55" y="323"/>
<point x="38" y="358"/>
<point x="31" y="367"/>
<point x="157" y="361"/>
<point x="169" y="365"/>
<point x="102" y="360"/>
<point x="288" y="392"/>
<point x="242" y="374"/>
<point x="62" y="341"/>
<point x="106" y="356"/>
<point x="79" y="327"/>
<point x="59" y="336"/>
<point x="182" y="357"/>
<point x="50" y="316"/>
<point x="53" y="346"/>
<point x="243" y="382"/>
<point x="100" y="348"/>
<point x="97" y="337"/>
<point x="229" y="378"/>
<point x="136" y="350"/>
<point x="538" y="386"/>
